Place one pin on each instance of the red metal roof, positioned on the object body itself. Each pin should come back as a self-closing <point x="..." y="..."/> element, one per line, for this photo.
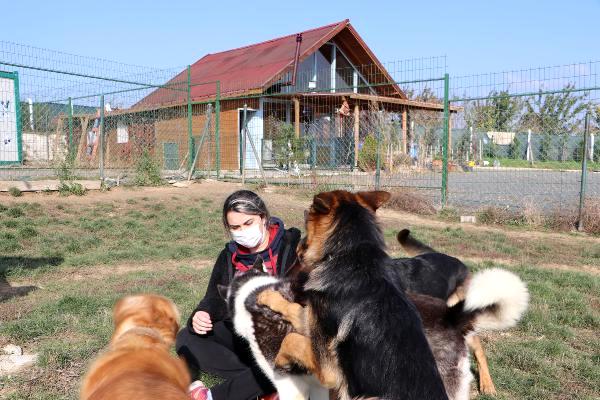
<point x="244" y="69"/>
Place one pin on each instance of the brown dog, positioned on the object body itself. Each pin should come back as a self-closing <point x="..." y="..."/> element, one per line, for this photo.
<point x="367" y="338"/>
<point x="138" y="364"/>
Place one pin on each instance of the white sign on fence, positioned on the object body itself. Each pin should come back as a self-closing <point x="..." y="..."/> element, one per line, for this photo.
<point x="122" y="132"/>
<point x="9" y="150"/>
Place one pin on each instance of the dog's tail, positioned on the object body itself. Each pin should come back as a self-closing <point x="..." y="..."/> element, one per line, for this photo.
<point x="411" y="245"/>
<point x="495" y="299"/>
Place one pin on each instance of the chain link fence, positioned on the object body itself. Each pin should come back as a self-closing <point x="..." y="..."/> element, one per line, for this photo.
<point x="526" y="139"/>
<point x="512" y="140"/>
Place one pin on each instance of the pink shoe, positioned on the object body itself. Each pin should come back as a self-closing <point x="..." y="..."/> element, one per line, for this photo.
<point x="272" y="396"/>
<point x="198" y="391"/>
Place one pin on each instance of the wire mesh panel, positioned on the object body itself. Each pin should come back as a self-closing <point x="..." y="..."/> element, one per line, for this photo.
<point x="518" y="141"/>
<point x="512" y="140"/>
<point x="340" y="125"/>
<point x="59" y="105"/>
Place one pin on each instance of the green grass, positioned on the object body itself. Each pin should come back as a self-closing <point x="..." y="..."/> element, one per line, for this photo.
<point x="70" y="322"/>
<point x="556" y="165"/>
<point x="553" y="352"/>
<point x="503" y="245"/>
<point x="75" y="252"/>
<point x="107" y="234"/>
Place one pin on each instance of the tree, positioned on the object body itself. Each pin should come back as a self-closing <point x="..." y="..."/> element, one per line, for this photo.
<point x="514" y="150"/>
<point x="545" y="147"/>
<point x="491" y="151"/>
<point x="555" y="114"/>
<point x="286" y="148"/>
<point x="367" y="156"/>
<point x="429" y="120"/>
<point x="387" y="126"/>
<point x="463" y="146"/>
<point x="499" y="112"/>
<point x="596" y="116"/>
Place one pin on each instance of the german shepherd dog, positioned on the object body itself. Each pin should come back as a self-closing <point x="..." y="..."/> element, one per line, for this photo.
<point x="268" y="334"/>
<point x="138" y="363"/>
<point x="366" y="335"/>
<point x="439" y="275"/>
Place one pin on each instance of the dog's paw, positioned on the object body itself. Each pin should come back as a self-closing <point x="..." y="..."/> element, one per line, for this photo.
<point x="487" y="387"/>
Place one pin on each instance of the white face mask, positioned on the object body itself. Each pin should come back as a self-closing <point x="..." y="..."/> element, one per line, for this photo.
<point x="249" y="237"/>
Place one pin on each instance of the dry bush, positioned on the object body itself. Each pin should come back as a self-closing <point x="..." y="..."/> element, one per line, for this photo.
<point x="401" y="160"/>
<point x="410" y="201"/>
<point x="591" y="216"/>
<point x="565" y="220"/>
<point x="561" y="220"/>
<point x="532" y="214"/>
<point x="499" y="216"/>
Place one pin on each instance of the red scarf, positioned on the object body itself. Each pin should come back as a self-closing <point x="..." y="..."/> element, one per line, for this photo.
<point x="269" y="255"/>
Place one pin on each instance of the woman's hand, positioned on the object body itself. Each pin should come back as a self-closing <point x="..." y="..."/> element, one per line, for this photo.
<point x="201" y="322"/>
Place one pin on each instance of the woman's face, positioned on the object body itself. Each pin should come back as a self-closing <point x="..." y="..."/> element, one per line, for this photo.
<point x="238" y="221"/>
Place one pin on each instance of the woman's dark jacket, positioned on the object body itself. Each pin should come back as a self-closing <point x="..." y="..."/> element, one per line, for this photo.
<point x="224" y="270"/>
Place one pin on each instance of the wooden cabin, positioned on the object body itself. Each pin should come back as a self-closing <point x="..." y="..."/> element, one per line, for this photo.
<point x="337" y="81"/>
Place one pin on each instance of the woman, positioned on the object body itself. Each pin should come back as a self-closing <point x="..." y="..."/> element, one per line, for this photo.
<point x="208" y="343"/>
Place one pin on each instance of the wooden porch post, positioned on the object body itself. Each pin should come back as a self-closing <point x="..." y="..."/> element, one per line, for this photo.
<point x="297" y="117"/>
<point x="356" y="132"/>
<point x="83" y="138"/>
<point x="404" y="131"/>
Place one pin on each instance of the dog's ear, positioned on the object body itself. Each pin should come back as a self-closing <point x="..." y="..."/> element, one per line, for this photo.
<point x="403" y="235"/>
<point x="258" y="264"/>
<point x="374" y="199"/>
<point x="322" y="203"/>
<point x="222" y="289"/>
<point x="126" y="306"/>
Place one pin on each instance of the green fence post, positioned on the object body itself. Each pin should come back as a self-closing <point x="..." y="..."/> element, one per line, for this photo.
<point x="101" y="133"/>
<point x="20" y="156"/>
<point x="586" y="132"/>
<point x="71" y="155"/>
<point x="189" y="119"/>
<point x="378" y="167"/>
<point x="217" y="128"/>
<point x="445" y="142"/>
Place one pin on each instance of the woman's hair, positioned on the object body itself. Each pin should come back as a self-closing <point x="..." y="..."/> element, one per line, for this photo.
<point x="245" y="202"/>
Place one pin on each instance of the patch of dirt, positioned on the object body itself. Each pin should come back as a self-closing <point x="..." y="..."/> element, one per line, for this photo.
<point x="102" y="271"/>
<point x="392" y="217"/>
<point x="206" y="189"/>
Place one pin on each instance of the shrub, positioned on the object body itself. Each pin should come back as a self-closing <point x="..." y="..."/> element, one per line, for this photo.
<point x="367" y="156"/>
<point x="401" y="159"/>
<point x="491" y="150"/>
<point x="591" y="216"/>
<point x="287" y="149"/>
<point x="147" y="171"/>
<point x="410" y="201"/>
<point x="449" y="214"/>
<point x="15" y="192"/>
<point x="545" y="147"/>
<point x="514" y="149"/>
<point x="68" y="188"/>
<point x="15" y="212"/>
<point x="499" y="216"/>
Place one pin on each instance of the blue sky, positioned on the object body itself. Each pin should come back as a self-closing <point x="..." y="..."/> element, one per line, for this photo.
<point x="476" y="36"/>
